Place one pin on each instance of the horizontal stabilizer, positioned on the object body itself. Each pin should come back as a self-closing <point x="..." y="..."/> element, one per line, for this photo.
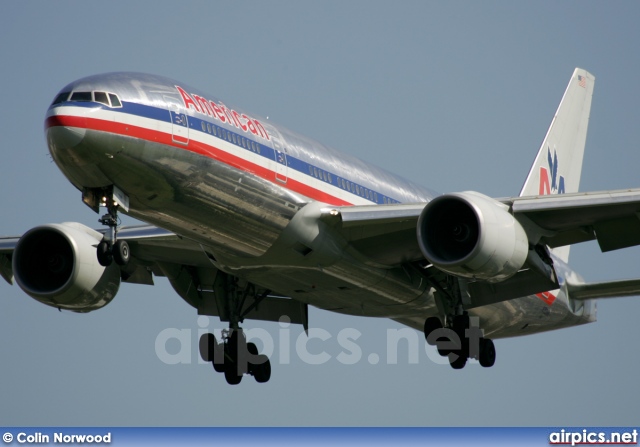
<point x="6" y="271"/>
<point x="609" y="289"/>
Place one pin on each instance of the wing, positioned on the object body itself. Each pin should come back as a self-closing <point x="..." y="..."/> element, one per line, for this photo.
<point x="158" y="252"/>
<point x="610" y="217"/>
<point x="386" y="234"/>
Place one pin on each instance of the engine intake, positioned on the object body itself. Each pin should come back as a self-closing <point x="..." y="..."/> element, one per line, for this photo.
<point x="473" y="236"/>
<point x="57" y="265"/>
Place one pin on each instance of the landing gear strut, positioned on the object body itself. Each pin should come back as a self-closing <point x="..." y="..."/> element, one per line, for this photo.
<point x="233" y="356"/>
<point x="110" y="248"/>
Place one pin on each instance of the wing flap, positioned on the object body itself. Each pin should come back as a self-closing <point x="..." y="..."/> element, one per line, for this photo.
<point x="383" y="234"/>
<point x="372" y="215"/>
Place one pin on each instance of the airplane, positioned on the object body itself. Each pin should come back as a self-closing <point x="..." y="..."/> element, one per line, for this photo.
<point x="249" y="220"/>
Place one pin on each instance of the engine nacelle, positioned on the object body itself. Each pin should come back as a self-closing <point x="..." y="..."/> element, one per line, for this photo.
<point x="57" y="265"/>
<point x="473" y="236"/>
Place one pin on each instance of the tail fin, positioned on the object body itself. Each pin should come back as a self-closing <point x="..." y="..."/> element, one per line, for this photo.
<point x="558" y="165"/>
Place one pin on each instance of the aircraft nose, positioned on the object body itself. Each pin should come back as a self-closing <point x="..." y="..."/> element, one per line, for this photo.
<point x="63" y="131"/>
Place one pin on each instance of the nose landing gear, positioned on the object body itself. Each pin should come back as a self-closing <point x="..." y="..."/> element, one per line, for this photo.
<point x="110" y="248"/>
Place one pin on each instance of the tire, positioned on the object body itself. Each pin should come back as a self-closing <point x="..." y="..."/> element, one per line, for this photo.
<point x="252" y="348"/>
<point x="207" y="345"/>
<point x="487" y="353"/>
<point x="121" y="253"/>
<point x="231" y="374"/>
<point x="431" y="324"/>
<point x="457" y="360"/>
<point x="218" y="359"/>
<point x="252" y="357"/>
<point x="105" y="258"/>
<point x="233" y="348"/>
<point x="262" y="370"/>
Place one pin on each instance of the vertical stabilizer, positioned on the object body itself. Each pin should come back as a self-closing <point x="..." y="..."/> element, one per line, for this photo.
<point x="558" y="165"/>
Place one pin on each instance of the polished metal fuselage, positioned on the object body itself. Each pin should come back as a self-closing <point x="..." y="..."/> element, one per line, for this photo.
<point x="255" y="215"/>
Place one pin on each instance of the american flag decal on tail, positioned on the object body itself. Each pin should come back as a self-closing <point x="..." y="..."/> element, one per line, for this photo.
<point x="582" y="81"/>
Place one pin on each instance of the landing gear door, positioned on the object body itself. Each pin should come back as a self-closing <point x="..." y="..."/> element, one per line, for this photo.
<point x="179" y="121"/>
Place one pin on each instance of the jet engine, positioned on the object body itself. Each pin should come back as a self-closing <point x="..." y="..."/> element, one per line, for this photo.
<point x="473" y="236"/>
<point x="57" y="265"/>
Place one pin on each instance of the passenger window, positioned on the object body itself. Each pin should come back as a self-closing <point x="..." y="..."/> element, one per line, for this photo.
<point x="214" y="130"/>
<point x="81" y="96"/>
<point x="208" y="127"/>
<point x="115" y="101"/>
<point x="204" y="126"/>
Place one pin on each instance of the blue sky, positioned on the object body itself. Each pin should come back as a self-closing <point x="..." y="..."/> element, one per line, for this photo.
<point x="453" y="95"/>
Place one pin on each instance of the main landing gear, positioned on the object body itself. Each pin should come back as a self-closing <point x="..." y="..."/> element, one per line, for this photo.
<point x="460" y="341"/>
<point x="110" y="248"/>
<point x="233" y="355"/>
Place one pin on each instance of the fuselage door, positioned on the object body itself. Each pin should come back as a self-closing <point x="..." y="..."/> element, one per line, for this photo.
<point x="281" y="165"/>
<point x="179" y="121"/>
<point x="279" y="153"/>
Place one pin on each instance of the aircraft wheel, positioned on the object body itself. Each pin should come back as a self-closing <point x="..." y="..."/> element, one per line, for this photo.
<point x="234" y="350"/>
<point x="121" y="253"/>
<point x="105" y="258"/>
<point x="252" y="348"/>
<point x="262" y="369"/>
<point x="231" y="373"/>
<point x="457" y="360"/>
<point x="487" y="353"/>
<point x="219" y="360"/>
<point x="230" y="366"/>
<point x="207" y="346"/>
<point x="431" y="324"/>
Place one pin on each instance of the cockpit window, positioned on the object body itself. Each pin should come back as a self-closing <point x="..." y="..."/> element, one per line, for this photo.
<point x="108" y="99"/>
<point x="101" y="97"/>
<point x="81" y="96"/>
<point x="115" y="101"/>
<point x="62" y="97"/>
